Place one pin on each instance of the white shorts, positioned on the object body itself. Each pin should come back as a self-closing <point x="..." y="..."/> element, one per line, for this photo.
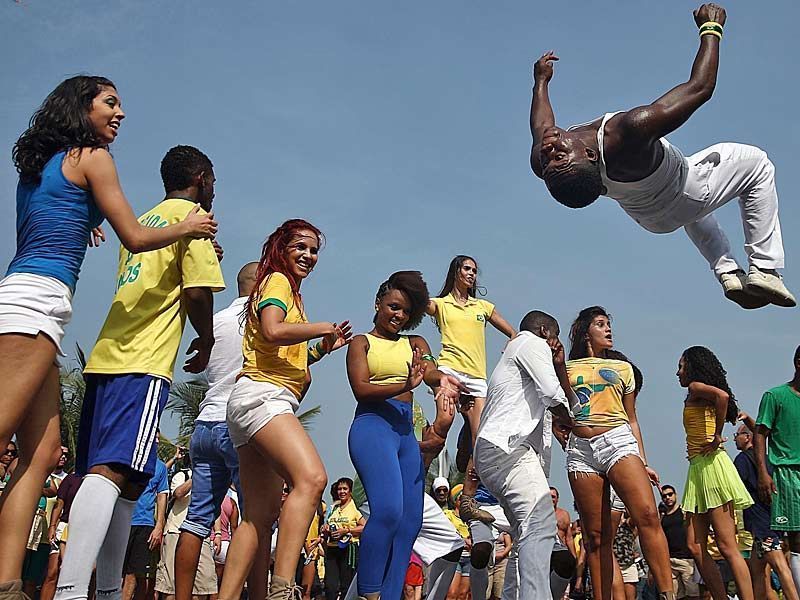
<point x="476" y="387"/>
<point x="630" y="574"/>
<point x="601" y="452"/>
<point x="616" y="501"/>
<point x="438" y="536"/>
<point x="33" y="304"/>
<point x="253" y="404"/>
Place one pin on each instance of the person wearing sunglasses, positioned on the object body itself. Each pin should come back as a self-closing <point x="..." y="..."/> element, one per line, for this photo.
<point x="680" y="556"/>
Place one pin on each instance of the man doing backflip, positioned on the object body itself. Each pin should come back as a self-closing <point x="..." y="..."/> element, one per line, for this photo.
<point x="624" y="156"/>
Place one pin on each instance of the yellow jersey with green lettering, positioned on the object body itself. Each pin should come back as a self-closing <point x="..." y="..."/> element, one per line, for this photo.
<point x="599" y="385"/>
<point x="463" y="328"/>
<point x="143" y="329"/>
<point x="285" y="366"/>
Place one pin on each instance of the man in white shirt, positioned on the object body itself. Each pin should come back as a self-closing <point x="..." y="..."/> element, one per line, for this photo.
<point x="513" y="444"/>
<point x="215" y="463"/>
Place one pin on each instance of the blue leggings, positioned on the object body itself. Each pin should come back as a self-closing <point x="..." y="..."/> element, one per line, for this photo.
<point x="386" y="456"/>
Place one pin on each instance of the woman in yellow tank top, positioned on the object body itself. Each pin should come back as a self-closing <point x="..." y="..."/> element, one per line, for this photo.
<point x="605" y="448"/>
<point x="713" y="489"/>
<point x="462" y="319"/>
<point x="384" y="367"/>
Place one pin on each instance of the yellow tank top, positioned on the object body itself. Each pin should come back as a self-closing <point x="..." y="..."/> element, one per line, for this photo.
<point x="388" y="360"/>
<point x="700" y="423"/>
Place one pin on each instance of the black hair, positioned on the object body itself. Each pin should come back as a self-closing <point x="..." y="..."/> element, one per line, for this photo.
<point x="452" y="271"/>
<point x="577" y="187"/>
<point x="579" y="345"/>
<point x="60" y="123"/>
<point x="181" y="165"/>
<point x="413" y="286"/>
<point x="345" y="480"/>
<point x="702" y="365"/>
<point x="638" y="378"/>
<point x="536" y="319"/>
<point x="555" y="490"/>
<point x="797" y="355"/>
<point x="669" y="487"/>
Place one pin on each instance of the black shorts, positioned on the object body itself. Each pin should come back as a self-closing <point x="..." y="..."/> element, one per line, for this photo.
<point x="139" y="559"/>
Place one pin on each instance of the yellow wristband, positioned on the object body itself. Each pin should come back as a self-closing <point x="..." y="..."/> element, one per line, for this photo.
<point x="710" y="23"/>
<point x="711" y="32"/>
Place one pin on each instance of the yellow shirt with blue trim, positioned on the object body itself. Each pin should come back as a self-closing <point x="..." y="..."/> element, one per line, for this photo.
<point x="599" y="385"/>
<point x="463" y="328"/>
<point x="144" y="327"/>
<point x="284" y="366"/>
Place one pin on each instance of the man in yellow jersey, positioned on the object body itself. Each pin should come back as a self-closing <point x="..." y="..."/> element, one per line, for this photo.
<point x="129" y="372"/>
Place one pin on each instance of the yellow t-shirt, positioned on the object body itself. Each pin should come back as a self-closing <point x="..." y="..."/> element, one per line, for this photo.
<point x="460" y="526"/>
<point x="143" y="329"/>
<point x="285" y="366"/>
<point x="463" y="329"/>
<point x="344" y="516"/>
<point x="600" y="384"/>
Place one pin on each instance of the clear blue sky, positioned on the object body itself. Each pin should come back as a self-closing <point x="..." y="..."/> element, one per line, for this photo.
<point x="400" y="129"/>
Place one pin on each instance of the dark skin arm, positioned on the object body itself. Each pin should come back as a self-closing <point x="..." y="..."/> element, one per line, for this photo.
<point x="766" y="487"/>
<point x="199" y="302"/>
<point x="542" y="116"/>
<point x="641" y="127"/>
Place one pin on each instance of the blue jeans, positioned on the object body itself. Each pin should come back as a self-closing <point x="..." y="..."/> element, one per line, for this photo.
<point x="215" y="464"/>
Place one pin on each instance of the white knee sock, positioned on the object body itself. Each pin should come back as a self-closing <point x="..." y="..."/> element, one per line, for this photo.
<point x="479" y="582"/>
<point x="89" y="518"/>
<point x="440" y="576"/>
<point x="558" y="585"/>
<point x="794" y="563"/>
<point x="112" y="553"/>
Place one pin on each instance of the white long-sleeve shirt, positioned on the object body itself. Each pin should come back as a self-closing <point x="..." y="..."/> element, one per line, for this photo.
<point x="522" y="387"/>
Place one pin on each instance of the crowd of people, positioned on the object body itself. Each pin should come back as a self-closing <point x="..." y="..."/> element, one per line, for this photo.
<point x="244" y="510"/>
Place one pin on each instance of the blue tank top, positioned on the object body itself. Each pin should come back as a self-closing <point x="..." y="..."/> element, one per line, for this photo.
<point x="54" y="219"/>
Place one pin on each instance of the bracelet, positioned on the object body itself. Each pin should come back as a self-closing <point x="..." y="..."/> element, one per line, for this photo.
<point x="216" y="533"/>
<point x="711" y="28"/>
<point x="429" y="357"/>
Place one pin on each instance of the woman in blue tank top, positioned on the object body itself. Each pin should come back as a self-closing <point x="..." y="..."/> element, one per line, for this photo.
<point x="383" y="368"/>
<point x="67" y="185"/>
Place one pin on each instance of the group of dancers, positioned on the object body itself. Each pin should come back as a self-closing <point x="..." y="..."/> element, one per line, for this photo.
<point x="259" y="355"/>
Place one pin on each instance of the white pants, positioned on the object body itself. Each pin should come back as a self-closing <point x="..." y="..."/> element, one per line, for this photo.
<point x="719" y="174"/>
<point x="518" y="481"/>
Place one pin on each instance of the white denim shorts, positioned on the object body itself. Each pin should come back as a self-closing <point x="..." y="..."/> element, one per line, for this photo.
<point x="601" y="452"/>
<point x="476" y="387"/>
<point x="253" y="404"/>
<point x="33" y="304"/>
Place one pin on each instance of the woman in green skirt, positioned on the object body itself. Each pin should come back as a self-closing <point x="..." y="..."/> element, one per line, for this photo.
<point x="713" y="489"/>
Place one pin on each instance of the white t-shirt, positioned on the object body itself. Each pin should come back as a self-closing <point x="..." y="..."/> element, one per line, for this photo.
<point x="224" y="363"/>
<point x="522" y="386"/>
<point x="180" y="506"/>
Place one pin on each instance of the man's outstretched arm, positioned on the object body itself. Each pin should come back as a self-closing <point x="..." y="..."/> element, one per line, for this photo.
<point x="674" y="108"/>
<point x="542" y="116"/>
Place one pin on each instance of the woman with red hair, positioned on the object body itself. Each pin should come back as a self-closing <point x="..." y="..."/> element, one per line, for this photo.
<point x="273" y="447"/>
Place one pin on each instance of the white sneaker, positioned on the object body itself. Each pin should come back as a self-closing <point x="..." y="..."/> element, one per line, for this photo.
<point x="770" y="286"/>
<point x="735" y="286"/>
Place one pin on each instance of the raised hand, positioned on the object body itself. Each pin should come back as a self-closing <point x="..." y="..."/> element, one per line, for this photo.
<point x="341" y="336"/>
<point x="558" y="351"/>
<point x="416" y="370"/>
<point x="543" y="68"/>
<point x="709" y="12"/>
<point x="200" y="225"/>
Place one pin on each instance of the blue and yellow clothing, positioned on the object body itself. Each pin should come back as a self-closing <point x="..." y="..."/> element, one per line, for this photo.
<point x="54" y="220"/>
<point x="144" y="326"/>
<point x="600" y="384"/>
<point x="463" y="328"/>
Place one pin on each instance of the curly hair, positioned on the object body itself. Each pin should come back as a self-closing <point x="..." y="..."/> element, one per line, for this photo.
<point x="579" y="346"/>
<point x="638" y="378"/>
<point x="273" y="259"/>
<point x="60" y="123"/>
<point x="578" y="187"/>
<point x="702" y="365"/>
<point x="413" y="286"/>
<point x="180" y="165"/>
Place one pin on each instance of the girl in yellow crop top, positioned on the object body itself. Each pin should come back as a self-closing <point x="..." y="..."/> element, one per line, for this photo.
<point x="384" y="367"/>
<point x="713" y="487"/>
<point x="605" y="448"/>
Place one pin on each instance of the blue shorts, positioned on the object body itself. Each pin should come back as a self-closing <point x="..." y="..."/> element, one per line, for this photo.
<point x="119" y="423"/>
<point x="215" y="465"/>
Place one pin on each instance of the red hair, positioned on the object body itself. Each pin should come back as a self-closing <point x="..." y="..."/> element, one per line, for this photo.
<point x="273" y="259"/>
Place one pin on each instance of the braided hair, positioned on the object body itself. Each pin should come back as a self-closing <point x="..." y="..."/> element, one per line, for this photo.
<point x="702" y="365"/>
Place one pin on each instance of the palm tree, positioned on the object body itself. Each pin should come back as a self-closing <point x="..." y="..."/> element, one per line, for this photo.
<point x="73" y="389"/>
